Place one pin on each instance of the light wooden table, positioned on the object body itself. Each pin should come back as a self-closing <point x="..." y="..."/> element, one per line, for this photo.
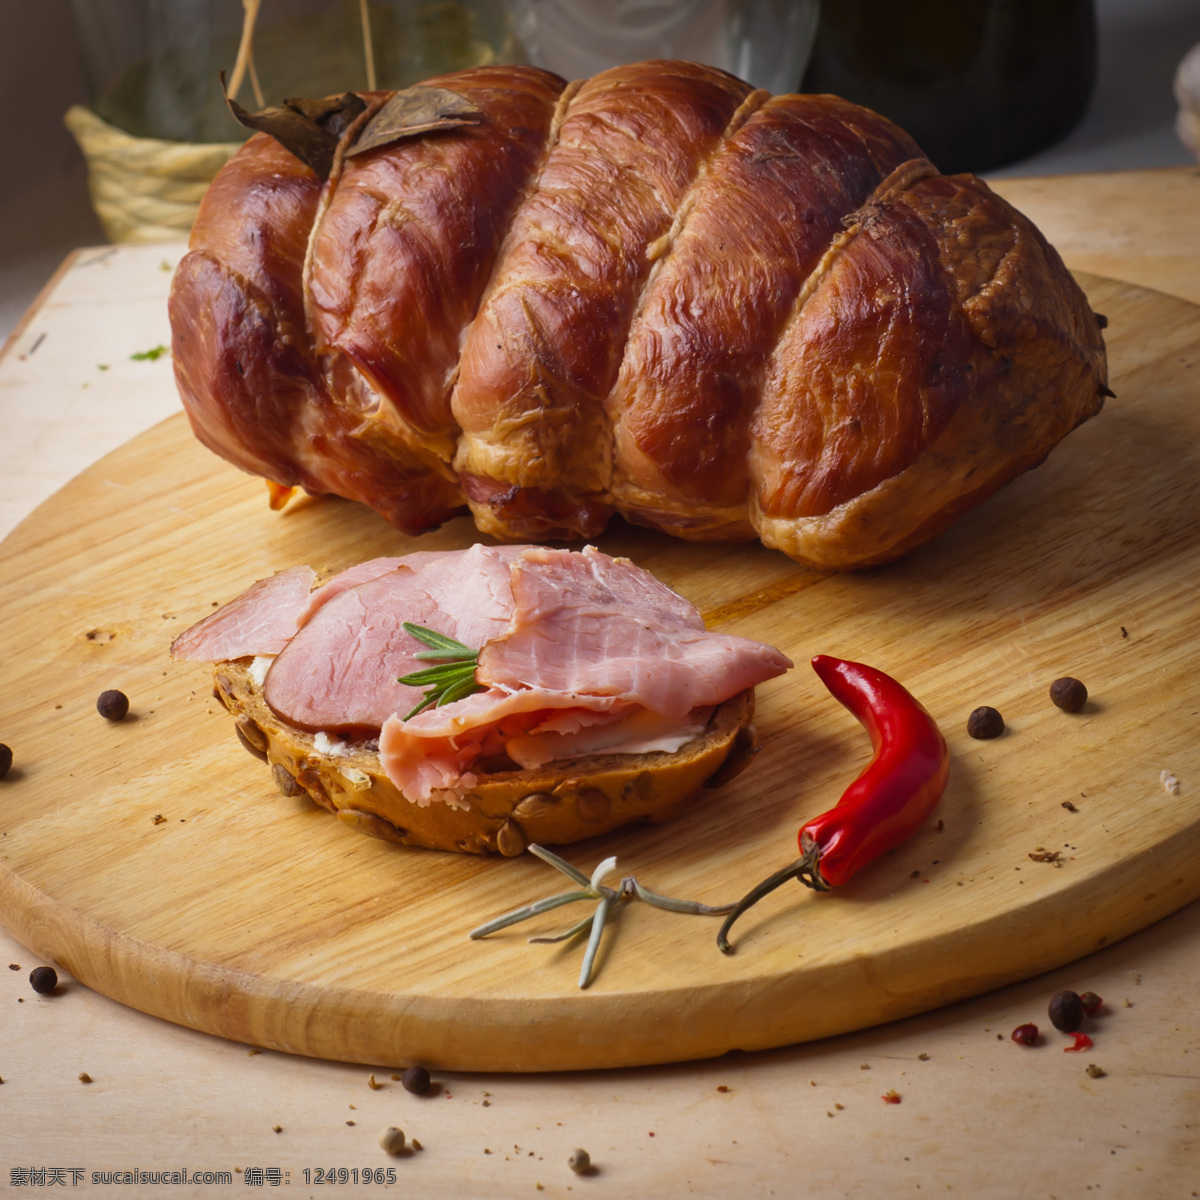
<point x="978" y="1116"/>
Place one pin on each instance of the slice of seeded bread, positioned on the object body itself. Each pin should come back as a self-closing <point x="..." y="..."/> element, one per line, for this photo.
<point x="508" y="808"/>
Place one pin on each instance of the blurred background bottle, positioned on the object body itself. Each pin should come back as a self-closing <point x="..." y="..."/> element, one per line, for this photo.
<point x="978" y="83"/>
<point x="765" y="42"/>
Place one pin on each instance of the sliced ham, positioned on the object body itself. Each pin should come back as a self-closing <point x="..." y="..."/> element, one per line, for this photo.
<point x="375" y="567"/>
<point x="430" y="755"/>
<point x="351" y="577"/>
<point x="638" y="732"/>
<point x="339" y="672"/>
<point x="262" y="620"/>
<point x="592" y="625"/>
<point x="579" y="654"/>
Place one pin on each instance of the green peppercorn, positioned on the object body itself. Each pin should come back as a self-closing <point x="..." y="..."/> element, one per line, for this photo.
<point x="985" y="722"/>
<point x="1066" y="1011"/>
<point x="5" y="759"/>
<point x="113" y="705"/>
<point x="580" y="1162"/>
<point x="415" y="1080"/>
<point x="43" y="980"/>
<point x="1068" y="694"/>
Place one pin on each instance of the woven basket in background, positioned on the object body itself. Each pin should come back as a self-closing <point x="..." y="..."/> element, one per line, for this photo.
<point x="144" y="189"/>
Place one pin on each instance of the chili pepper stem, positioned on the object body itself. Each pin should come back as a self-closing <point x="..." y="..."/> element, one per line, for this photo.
<point x="805" y="868"/>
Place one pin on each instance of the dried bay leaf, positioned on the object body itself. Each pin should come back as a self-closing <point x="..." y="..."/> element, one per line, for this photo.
<point x="309" y="129"/>
<point x="414" y="111"/>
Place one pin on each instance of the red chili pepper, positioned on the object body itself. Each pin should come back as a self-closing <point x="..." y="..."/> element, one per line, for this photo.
<point x="886" y="804"/>
<point x="1082" y="1042"/>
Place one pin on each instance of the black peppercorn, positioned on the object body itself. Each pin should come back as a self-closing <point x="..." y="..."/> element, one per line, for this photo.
<point x="416" y="1080"/>
<point x="5" y="759"/>
<point x="985" y="722"/>
<point x="1068" y="694"/>
<point x="113" y="705"/>
<point x="1066" y="1011"/>
<point x="43" y="980"/>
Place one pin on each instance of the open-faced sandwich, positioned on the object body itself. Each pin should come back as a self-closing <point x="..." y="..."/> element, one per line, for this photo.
<point x="482" y="699"/>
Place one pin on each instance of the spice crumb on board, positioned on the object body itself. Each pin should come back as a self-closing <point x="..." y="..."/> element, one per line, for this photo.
<point x="891" y="1097"/>
<point x="721" y="1087"/>
<point x="1169" y="782"/>
<point x="1047" y="856"/>
<point x="84" y="1077"/>
<point x="1096" y="1072"/>
<point x="1069" y="805"/>
<point x="923" y="1057"/>
<point x="373" y="1083"/>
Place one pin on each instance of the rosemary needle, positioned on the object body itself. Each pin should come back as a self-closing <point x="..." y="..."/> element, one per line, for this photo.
<point x="453" y="677"/>
<point x="609" y="900"/>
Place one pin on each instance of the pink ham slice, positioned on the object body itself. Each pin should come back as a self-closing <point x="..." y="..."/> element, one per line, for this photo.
<point x="588" y="624"/>
<point x="581" y="654"/>
<point x="262" y="620"/>
<point x="375" y="567"/>
<point x="431" y="754"/>
<point x="339" y="672"/>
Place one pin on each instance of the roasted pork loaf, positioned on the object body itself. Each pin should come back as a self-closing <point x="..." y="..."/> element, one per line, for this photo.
<point x="658" y="293"/>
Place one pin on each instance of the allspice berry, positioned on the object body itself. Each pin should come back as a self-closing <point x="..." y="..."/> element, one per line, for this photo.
<point x="985" y="722"/>
<point x="113" y="705"/>
<point x="5" y="759"/>
<point x="1066" y="1011"/>
<point x="1068" y="694"/>
<point x="43" y="980"/>
<point x="392" y="1140"/>
<point x="415" y="1080"/>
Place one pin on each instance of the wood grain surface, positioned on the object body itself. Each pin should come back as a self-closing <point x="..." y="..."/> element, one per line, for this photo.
<point x="153" y="859"/>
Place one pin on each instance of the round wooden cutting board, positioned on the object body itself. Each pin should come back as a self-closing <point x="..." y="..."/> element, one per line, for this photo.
<point x="155" y="861"/>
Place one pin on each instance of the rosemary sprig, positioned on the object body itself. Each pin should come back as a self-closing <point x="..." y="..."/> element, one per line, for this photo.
<point x="453" y="677"/>
<point x="591" y="889"/>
